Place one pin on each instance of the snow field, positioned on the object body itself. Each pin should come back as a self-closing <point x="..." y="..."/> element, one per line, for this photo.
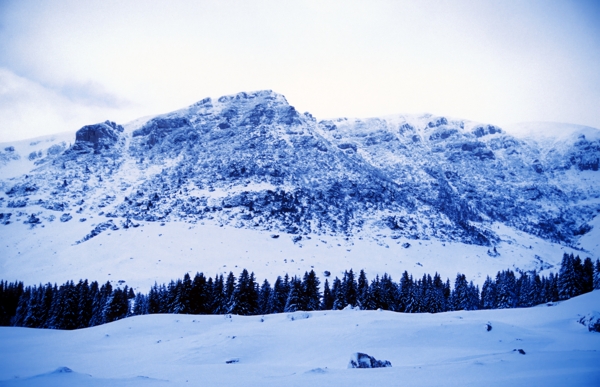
<point x="140" y="256"/>
<point x="313" y="348"/>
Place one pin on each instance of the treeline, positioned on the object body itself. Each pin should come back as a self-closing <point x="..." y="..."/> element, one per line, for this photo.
<point x="70" y="306"/>
<point x="81" y="305"/>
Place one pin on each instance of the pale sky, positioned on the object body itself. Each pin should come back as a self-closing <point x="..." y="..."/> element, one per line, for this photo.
<point x="65" y="64"/>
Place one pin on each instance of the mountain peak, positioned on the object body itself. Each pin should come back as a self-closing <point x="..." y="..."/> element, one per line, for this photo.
<point x="258" y="95"/>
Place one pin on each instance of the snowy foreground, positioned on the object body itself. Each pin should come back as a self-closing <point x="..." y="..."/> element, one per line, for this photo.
<point x="299" y="349"/>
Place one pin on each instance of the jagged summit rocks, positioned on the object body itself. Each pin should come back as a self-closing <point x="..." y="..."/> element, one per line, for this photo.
<point x="244" y="114"/>
<point x="252" y="160"/>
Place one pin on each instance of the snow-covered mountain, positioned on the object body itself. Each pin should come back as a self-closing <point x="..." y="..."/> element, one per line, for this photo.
<point x="252" y="161"/>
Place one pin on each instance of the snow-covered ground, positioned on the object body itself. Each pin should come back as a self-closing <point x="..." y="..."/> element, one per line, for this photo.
<point x="151" y="252"/>
<point x="18" y="157"/>
<point x="299" y="349"/>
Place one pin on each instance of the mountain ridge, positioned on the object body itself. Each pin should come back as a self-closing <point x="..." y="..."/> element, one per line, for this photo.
<point x="252" y="160"/>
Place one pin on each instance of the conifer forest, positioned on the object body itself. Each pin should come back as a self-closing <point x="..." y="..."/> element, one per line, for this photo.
<point x="84" y="304"/>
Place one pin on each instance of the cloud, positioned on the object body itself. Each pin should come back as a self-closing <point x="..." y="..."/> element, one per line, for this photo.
<point x="490" y="61"/>
<point x="28" y="109"/>
<point x="92" y="94"/>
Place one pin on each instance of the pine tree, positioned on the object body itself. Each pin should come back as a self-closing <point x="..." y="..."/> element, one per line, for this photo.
<point x="474" y="299"/>
<point x="140" y="305"/>
<point x="447" y="294"/>
<point x="294" y="299"/>
<point x="85" y="302"/>
<point x="244" y="300"/>
<point x="569" y="280"/>
<point x="116" y="306"/>
<point x="506" y="290"/>
<point x="389" y="293"/>
<point x="22" y="309"/>
<point x="460" y="293"/>
<point x="70" y="312"/>
<point x="373" y="299"/>
<point x="154" y="304"/>
<point x="229" y="288"/>
<point x="524" y="290"/>
<point x="278" y="297"/>
<point x="130" y="293"/>
<point x="587" y="276"/>
<point x="362" y="290"/>
<point x="263" y="298"/>
<point x="200" y="295"/>
<point x="412" y="301"/>
<point x="10" y="294"/>
<point x="339" y="297"/>
<point x="552" y="287"/>
<point x="311" y="296"/>
<point x="183" y="295"/>
<point x="31" y="309"/>
<point x="46" y="304"/>
<point x="597" y="275"/>
<point x="173" y="297"/>
<point x="350" y="288"/>
<point x="35" y="310"/>
<point x="426" y="298"/>
<point x="219" y="298"/>
<point x="405" y="291"/>
<point x="64" y="309"/>
<point x="436" y="304"/>
<point x="327" y="302"/>
<point x="535" y="290"/>
<point x="488" y="294"/>
<point x="286" y="287"/>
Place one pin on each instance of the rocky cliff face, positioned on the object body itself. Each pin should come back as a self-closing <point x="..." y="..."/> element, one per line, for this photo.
<point x="97" y="137"/>
<point x="252" y="160"/>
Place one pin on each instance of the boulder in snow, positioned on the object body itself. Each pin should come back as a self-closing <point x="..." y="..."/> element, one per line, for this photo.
<point x="4" y="218"/>
<point x="362" y="360"/>
<point x="32" y="220"/>
<point x="591" y="321"/>
<point x="62" y="370"/>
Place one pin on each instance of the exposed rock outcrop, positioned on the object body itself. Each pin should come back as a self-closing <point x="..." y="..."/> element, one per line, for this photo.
<point x="362" y="360"/>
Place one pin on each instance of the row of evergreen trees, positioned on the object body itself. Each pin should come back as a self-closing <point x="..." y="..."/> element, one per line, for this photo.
<point x="69" y="306"/>
<point x="80" y="305"/>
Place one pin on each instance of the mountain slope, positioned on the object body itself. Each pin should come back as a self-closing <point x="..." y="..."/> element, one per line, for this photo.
<point x="252" y="161"/>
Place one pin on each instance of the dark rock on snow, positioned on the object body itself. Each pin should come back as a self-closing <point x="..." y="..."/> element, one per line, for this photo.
<point x="591" y="321"/>
<point x="362" y="360"/>
<point x="97" y="137"/>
